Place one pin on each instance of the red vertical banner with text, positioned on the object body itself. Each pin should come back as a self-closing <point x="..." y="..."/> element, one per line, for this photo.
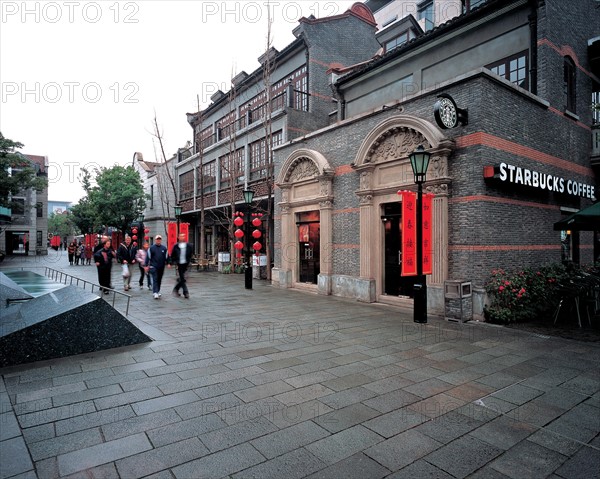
<point x="171" y="236"/>
<point x="427" y="234"/>
<point x="184" y="228"/>
<point x="409" y="234"/>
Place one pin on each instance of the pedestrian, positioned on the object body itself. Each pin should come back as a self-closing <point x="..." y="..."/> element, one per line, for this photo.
<point x="126" y="257"/>
<point x="103" y="259"/>
<point x="155" y="264"/>
<point x="82" y="253"/>
<point x="181" y="255"/>
<point x="88" y="254"/>
<point x="100" y="244"/>
<point x="71" y="251"/>
<point x="140" y="257"/>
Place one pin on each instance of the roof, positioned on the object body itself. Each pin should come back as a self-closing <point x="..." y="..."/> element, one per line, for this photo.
<point x="40" y="161"/>
<point x="440" y="30"/>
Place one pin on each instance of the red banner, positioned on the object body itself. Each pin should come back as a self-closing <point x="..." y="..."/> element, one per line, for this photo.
<point x="171" y="236"/>
<point x="409" y="233"/>
<point x="427" y="233"/>
<point x="185" y="228"/>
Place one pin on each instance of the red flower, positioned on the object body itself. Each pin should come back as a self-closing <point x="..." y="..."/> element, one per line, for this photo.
<point x="501" y="288"/>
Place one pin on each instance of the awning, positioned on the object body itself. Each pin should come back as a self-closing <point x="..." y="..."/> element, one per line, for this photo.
<point x="587" y="219"/>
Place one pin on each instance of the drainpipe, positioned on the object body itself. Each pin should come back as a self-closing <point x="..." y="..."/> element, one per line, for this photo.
<point x="533" y="34"/>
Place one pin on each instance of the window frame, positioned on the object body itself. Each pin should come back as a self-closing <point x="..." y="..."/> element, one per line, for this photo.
<point x="505" y="62"/>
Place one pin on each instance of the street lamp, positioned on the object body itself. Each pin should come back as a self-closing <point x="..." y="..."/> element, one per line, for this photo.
<point x="177" y="209"/>
<point x="419" y="161"/>
<point x="248" y="197"/>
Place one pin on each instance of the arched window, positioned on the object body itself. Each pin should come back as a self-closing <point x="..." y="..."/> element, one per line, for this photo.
<point x="570" y="84"/>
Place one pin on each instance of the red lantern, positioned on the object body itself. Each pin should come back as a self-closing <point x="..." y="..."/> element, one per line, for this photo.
<point x="146" y="230"/>
<point x="134" y="237"/>
<point x="135" y="243"/>
<point x="257" y="246"/>
<point x="238" y="233"/>
<point x="146" y="237"/>
<point x="238" y="245"/>
<point x="238" y="221"/>
<point x="256" y="234"/>
<point x="134" y="231"/>
<point x="256" y="222"/>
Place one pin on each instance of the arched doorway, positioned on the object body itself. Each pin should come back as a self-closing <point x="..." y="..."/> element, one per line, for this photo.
<point x="306" y="207"/>
<point x="384" y="168"/>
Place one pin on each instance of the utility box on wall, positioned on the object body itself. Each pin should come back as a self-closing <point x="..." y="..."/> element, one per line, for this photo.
<point x="458" y="301"/>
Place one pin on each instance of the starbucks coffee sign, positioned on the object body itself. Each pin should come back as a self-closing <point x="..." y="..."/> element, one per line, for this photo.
<point x="508" y="173"/>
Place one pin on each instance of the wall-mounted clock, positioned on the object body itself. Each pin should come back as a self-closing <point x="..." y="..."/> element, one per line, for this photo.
<point x="447" y="114"/>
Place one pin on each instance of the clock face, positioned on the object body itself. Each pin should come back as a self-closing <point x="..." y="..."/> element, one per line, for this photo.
<point x="445" y="112"/>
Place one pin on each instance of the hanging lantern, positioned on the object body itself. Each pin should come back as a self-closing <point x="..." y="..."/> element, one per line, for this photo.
<point x="256" y="234"/>
<point x="146" y="230"/>
<point x="135" y="243"/>
<point x="134" y="237"/>
<point x="256" y="222"/>
<point x="257" y="246"/>
<point x="238" y="233"/>
<point x="238" y="221"/>
<point x="238" y="245"/>
<point x="134" y="231"/>
<point x="146" y="237"/>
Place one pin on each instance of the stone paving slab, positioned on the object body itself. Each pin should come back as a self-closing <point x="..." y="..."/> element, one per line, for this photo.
<point x="301" y="385"/>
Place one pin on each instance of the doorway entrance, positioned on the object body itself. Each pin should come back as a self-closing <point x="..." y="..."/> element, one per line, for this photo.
<point x="309" y="246"/>
<point x="394" y="284"/>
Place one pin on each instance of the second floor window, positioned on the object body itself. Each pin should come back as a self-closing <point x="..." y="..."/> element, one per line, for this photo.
<point x="18" y="206"/>
<point x="570" y="85"/>
<point x="258" y="156"/>
<point x="186" y="185"/>
<point x="209" y="177"/>
<point x="514" y="68"/>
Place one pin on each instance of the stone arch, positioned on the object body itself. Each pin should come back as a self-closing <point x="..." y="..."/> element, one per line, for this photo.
<point x="300" y="156"/>
<point x="416" y="128"/>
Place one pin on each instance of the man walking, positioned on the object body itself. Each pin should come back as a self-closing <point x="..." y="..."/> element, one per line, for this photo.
<point x="103" y="259"/>
<point x="181" y="257"/>
<point x="126" y="256"/>
<point x="156" y="261"/>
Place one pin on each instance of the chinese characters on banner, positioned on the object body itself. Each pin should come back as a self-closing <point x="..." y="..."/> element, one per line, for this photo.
<point x="172" y="233"/>
<point x="427" y="239"/>
<point x="409" y="233"/>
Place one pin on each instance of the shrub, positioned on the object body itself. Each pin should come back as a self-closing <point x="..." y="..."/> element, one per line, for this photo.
<point x="523" y="295"/>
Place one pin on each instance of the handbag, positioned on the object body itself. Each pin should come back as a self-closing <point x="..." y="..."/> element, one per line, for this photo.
<point x="125" y="271"/>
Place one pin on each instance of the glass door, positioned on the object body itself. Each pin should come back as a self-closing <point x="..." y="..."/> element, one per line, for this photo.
<point x="309" y="246"/>
<point x="394" y="284"/>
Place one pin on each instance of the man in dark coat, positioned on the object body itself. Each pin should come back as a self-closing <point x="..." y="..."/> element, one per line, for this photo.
<point x="181" y="255"/>
<point x="156" y="260"/>
<point x="103" y="259"/>
<point x="126" y="256"/>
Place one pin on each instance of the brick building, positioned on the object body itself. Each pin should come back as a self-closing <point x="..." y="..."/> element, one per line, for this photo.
<point x="290" y="93"/>
<point x="520" y="160"/>
<point x="24" y="227"/>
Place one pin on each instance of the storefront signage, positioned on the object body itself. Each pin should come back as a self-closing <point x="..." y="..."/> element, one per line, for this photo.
<point x="522" y="176"/>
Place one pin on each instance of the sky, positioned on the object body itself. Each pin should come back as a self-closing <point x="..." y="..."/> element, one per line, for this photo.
<point x="81" y="82"/>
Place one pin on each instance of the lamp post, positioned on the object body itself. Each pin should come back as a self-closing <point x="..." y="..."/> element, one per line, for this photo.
<point x="419" y="161"/>
<point x="177" y="209"/>
<point x="248" y="197"/>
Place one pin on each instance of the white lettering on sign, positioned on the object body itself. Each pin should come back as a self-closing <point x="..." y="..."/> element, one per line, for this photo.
<point x="535" y="179"/>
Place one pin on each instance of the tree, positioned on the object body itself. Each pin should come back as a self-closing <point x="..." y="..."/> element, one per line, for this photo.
<point x="61" y="224"/>
<point x="118" y="197"/>
<point x="16" y="172"/>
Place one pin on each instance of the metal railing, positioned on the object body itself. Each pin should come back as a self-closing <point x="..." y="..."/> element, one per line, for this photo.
<point x="63" y="278"/>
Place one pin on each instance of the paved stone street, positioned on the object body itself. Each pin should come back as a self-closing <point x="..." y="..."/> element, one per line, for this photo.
<point x="275" y="383"/>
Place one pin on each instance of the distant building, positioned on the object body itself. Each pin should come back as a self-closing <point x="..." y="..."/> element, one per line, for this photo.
<point x="58" y="207"/>
<point x="25" y="230"/>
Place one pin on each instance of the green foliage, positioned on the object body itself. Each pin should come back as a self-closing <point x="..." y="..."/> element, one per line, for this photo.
<point x="23" y="174"/>
<point x="524" y="295"/>
<point x="61" y="224"/>
<point x="115" y="198"/>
